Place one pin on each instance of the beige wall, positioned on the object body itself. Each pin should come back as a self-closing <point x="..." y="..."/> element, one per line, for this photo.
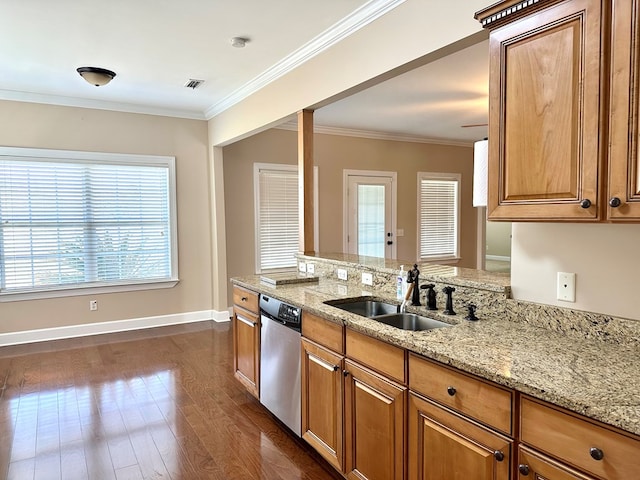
<point x="333" y="154"/>
<point x="499" y="239"/>
<point x="604" y="257"/>
<point x="67" y="128"/>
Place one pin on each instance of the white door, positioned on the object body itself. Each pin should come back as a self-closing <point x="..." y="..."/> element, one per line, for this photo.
<point x="370" y="213"/>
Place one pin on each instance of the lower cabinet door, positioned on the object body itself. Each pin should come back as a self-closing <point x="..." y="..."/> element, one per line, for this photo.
<point x="375" y="414"/>
<point x="535" y="466"/>
<point x="322" y="397"/>
<point x="444" y="445"/>
<point x="246" y="349"/>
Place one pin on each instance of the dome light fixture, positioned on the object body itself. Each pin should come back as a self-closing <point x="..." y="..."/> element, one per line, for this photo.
<point x="239" y="42"/>
<point x="95" y="75"/>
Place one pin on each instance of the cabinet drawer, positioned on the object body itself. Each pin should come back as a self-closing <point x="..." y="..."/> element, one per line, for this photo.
<point x="573" y="439"/>
<point x="246" y="299"/>
<point x="377" y="355"/>
<point x="485" y="402"/>
<point x="322" y="331"/>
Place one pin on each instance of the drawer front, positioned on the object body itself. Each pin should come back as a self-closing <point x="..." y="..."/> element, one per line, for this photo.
<point x="579" y="442"/>
<point x="322" y="331"/>
<point x="386" y="359"/>
<point x="246" y="299"/>
<point x="471" y="396"/>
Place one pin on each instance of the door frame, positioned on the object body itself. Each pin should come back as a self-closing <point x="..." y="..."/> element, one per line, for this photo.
<point x="394" y="204"/>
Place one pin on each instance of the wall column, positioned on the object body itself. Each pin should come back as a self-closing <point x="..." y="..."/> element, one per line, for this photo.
<point x="219" y="278"/>
<point x="305" y="182"/>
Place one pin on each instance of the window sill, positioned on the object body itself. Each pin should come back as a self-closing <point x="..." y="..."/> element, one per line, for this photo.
<point x="93" y="289"/>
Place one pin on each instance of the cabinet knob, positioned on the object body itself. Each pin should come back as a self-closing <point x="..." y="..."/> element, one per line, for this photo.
<point x="614" y="202"/>
<point x="451" y="391"/>
<point x="498" y="455"/>
<point x="336" y="368"/>
<point x="596" y="453"/>
<point x="345" y="373"/>
<point x="523" y="469"/>
<point x="586" y="203"/>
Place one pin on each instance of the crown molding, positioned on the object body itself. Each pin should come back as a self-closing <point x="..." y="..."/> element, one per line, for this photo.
<point x="376" y="135"/>
<point x="345" y="27"/>
<point x="65" y="101"/>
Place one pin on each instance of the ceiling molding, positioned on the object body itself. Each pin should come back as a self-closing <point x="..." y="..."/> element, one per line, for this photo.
<point x="374" y="135"/>
<point x="345" y="27"/>
<point x="64" y="101"/>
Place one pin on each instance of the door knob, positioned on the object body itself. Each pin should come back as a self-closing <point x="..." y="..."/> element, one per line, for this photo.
<point x="389" y="242"/>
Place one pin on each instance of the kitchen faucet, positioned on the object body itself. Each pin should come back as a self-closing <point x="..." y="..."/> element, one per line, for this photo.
<point x="413" y="279"/>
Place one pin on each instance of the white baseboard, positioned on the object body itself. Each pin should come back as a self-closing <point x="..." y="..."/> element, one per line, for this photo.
<point x="498" y="258"/>
<point x="71" y="331"/>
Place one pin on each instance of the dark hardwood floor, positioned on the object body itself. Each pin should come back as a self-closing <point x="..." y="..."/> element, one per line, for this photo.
<point x="151" y="404"/>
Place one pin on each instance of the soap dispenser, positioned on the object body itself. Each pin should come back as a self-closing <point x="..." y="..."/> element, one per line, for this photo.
<point x="400" y="288"/>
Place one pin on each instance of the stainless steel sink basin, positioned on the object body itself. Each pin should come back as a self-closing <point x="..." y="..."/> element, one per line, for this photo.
<point x="410" y="321"/>
<point x="366" y="308"/>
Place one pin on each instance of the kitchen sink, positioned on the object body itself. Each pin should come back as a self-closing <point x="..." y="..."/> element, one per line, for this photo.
<point x="365" y="308"/>
<point x="410" y="321"/>
<point x="387" y="313"/>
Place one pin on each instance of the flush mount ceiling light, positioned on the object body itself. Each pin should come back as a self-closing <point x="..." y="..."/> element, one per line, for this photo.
<point x="96" y="76"/>
<point x="239" y="42"/>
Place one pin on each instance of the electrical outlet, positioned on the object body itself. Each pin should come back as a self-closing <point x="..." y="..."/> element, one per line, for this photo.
<point x="342" y="274"/>
<point x="93" y="305"/>
<point x="566" y="287"/>
<point x="311" y="268"/>
<point x="342" y="290"/>
<point x="302" y="267"/>
<point x="367" y="278"/>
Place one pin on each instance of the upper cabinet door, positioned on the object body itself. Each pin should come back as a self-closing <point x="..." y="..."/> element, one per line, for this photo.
<point x="624" y="158"/>
<point x="545" y="147"/>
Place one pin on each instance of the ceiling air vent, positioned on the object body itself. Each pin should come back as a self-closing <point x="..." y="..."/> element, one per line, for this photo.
<point x="192" y="83"/>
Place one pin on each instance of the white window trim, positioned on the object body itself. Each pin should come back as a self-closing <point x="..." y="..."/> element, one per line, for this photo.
<point x="439" y="176"/>
<point x="103" y="158"/>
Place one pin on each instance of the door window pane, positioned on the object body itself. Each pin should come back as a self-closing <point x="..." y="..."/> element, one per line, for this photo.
<point x="371" y="216"/>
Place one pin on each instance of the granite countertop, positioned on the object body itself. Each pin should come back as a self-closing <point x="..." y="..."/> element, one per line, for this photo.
<point x="598" y="379"/>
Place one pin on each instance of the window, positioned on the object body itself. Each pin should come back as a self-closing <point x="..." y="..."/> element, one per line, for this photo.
<point x="276" y="207"/>
<point x="78" y="219"/>
<point x="438" y="216"/>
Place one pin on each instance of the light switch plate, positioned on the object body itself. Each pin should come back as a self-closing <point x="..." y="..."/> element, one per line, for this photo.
<point x="302" y="267"/>
<point x="566" y="287"/>
<point x="311" y="268"/>
<point x="367" y="278"/>
<point x="342" y="274"/>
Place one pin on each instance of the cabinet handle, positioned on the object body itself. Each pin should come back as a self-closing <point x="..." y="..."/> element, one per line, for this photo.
<point x="246" y="321"/>
<point x="596" y="453"/>
<point x="586" y="203"/>
<point x="244" y="299"/>
<point x="523" y="469"/>
<point x="451" y="391"/>
<point x="498" y="455"/>
<point x="614" y="202"/>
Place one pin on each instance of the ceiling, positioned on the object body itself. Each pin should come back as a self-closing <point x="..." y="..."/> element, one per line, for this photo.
<point x="156" y="46"/>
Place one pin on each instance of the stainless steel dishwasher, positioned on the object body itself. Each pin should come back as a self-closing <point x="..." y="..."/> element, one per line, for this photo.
<point x="280" y="360"/>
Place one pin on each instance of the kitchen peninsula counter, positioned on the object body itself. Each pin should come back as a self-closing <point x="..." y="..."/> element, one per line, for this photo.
<point x="595" y="377"/>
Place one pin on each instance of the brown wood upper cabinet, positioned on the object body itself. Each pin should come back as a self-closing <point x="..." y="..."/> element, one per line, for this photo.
<point x="562" y="86"/>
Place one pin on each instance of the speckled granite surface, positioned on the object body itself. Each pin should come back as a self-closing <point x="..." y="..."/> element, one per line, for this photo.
<point x="589" y="373"/>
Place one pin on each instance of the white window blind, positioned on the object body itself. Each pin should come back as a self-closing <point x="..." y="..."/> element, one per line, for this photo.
<point x="438" y="215"/>
<point x="73" y="219"/>
<point x="276" y="216"/>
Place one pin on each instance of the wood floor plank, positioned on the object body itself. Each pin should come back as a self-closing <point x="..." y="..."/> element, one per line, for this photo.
<point x="151" y="404"/>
